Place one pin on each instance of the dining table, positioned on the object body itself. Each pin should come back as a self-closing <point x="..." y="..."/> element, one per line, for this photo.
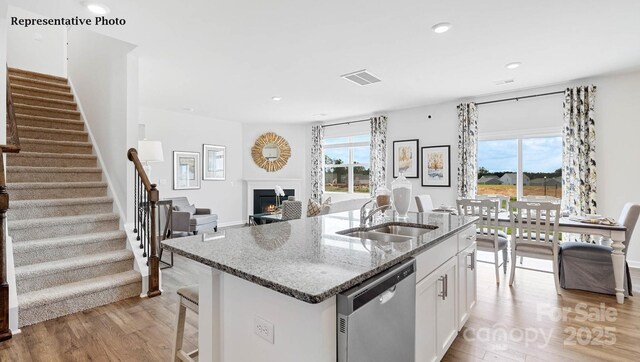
<point x="616" y="232"/>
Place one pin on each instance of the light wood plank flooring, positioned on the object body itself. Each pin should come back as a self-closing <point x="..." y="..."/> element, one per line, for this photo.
<point x="142" y="329"/>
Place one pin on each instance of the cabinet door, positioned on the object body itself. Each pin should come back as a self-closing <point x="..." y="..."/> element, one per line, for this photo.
<point x="426" y="303"/>
<point x="446" y="318"/>
<point x="466" y="284"/>
<point x="472" y="280"/>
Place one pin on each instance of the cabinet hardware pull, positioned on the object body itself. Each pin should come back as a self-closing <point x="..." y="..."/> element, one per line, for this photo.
<point x="470" y="237"/>
<point x="473" y="261"/>
<point x="443" y="294"/>
<point x="446" y="286"/>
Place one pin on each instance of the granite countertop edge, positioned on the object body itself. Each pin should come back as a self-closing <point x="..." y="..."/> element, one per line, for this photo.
<point x="318" y="298"/>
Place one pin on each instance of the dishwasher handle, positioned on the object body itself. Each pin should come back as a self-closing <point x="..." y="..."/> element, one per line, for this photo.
<point x="388" y="295"/>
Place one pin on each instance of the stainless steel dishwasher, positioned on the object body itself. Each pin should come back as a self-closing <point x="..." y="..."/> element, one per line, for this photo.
<point x="376" y="319"/>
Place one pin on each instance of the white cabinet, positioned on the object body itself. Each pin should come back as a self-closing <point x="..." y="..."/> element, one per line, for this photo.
<point x="466" y="284"/>
<point x="445" y="293"/>
<point x="436" y="322"/>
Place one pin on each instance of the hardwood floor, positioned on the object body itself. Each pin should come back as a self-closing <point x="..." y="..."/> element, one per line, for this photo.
<point x="142" y="329"/>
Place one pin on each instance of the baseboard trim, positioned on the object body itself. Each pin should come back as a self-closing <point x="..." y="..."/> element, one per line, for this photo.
<point x="231" y="223"/>
<point x="633" y="264"/>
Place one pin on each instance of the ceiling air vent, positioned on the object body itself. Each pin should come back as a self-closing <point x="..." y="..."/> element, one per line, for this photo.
<point x="361" y="77"/>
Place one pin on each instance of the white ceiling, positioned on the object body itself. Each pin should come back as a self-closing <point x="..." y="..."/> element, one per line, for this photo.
<point x="226" y="59"/>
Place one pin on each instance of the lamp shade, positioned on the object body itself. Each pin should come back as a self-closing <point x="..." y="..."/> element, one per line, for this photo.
<point x="150" y="151"/>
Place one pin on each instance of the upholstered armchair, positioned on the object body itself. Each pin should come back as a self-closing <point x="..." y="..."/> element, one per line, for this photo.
<point x="189" y="219"/>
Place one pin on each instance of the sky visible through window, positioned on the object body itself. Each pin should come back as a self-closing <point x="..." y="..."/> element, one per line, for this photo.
<point x="539" y="154"/>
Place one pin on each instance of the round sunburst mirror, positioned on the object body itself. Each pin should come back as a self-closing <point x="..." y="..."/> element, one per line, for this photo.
<point x="271" y="152"/>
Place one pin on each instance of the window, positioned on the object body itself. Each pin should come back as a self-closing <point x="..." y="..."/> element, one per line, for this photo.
<point x="346" y="164"/>
<point x="521" y="167"/>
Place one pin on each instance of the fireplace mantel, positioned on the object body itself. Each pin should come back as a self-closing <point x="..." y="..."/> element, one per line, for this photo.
<point x="285" y="183"/>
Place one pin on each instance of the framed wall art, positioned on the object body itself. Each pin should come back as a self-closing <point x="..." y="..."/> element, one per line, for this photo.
<point x="436" y="166"/>
<point x="213" y="162"/>
<point x="406" y="158"/>
<point x="186" y="170"/>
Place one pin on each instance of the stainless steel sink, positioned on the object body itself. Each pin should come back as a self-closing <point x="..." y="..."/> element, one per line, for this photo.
<point x="377" y="236"/>
<point x="411" y="231"/>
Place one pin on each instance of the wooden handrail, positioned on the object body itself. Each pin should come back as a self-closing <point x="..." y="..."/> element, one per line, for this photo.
<point x="146" y="211"/>
<point x="12" y="146"/>
<point x="132" y="155"/>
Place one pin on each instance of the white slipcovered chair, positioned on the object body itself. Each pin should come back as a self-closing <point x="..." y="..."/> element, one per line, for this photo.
<point x="424" y="203"/>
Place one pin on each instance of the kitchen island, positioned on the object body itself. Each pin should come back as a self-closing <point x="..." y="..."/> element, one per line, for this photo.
<point x="268" y="292"/>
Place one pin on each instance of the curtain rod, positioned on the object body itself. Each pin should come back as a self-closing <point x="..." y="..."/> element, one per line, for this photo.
<point x="342" y="123"/>
<point x="519" y="98"/>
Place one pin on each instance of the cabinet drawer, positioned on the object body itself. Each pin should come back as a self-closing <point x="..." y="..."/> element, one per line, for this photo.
<point x="466" y="237"/>
<point x="431" y="259"/>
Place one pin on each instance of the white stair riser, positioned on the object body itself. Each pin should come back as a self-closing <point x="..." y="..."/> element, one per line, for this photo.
<point x="54" y="136"/>
<point x="19" y="160"/>
<point x="62" y="252"/>
<point x="52" y="231"/>
<point x="54" y="148"/>
<point x="55" y="279"/>
<point x="57" y="193"/>
<point x="14" y="176"/>
<point x="43" y="102"/>
<point x="58" y="211"/>
<point x="53" y="310"/>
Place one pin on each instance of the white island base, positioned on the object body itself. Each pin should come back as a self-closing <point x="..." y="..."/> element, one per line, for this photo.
<point x="227" y="323"/>
<point x="230" y="306"/>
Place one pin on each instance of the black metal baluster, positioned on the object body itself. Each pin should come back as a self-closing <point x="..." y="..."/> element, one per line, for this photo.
<point x="139" y="212"/>
<point x="148" y="230"/>
<point x="135" y="200"/>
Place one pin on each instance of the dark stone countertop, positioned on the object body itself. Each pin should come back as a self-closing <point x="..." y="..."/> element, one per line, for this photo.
<point x="305" y="258"/>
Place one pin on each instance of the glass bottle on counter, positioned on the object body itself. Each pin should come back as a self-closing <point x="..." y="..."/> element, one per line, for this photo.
<point x="401" y="190"/>
<point x="383" y="196"/>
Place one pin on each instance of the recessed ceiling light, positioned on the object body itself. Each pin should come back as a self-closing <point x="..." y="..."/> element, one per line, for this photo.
<point x="97" y="8"/>
<point x="188" y="109"/>
<point x="441" y="28"/>
<point x="320" y="115"/>
<point x="513" y="65"/>
<point x="276" y="98"/>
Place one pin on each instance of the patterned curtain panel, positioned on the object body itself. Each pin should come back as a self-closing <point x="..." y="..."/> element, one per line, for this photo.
<point x="317" y="173"/>
<point x="378" y="166"/>
<point x="467" y="150"/>
<point x="579" y="151"/>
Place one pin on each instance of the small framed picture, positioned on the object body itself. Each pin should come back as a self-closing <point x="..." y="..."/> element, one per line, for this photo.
<point x="186" y="170"/>
<point x="406" y="158"/>
<point x="213" y="162"/>
<point x="436" y="166"/>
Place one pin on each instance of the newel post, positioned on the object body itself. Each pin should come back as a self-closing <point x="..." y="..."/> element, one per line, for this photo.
<point x="154" y="261"/>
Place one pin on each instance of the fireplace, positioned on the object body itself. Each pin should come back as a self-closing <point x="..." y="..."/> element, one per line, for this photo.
<point x="264" y="200"/>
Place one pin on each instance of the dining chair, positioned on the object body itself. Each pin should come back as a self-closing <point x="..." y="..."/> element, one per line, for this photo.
<point x="587" y="266"/>
<point x="489" y="238"/>
<point x="540" y="198"/>
<point x="424" y="203"/>
<point x="534" y="233"/>
<point x="504" y="199"/>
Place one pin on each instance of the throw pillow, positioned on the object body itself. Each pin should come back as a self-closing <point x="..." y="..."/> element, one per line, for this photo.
<point x="191" y="209"/>
<point x="314" y="208"/>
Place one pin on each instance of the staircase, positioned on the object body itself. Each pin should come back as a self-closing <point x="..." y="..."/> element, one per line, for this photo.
<point x="69" y="252"/>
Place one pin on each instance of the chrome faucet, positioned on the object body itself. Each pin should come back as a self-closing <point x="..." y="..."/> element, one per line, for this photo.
<point x="366" y="218"/>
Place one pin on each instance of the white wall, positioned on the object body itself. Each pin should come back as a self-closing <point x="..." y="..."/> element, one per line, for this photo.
<point x="298" y="137"/>
<point x="441" y="129"/>
<point x="188" y="132"/>
<point x="37" y="48"/>
<point x="99" y="71"/>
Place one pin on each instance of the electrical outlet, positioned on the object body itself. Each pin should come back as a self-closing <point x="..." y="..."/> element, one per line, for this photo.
<point x="263" y="328"/>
